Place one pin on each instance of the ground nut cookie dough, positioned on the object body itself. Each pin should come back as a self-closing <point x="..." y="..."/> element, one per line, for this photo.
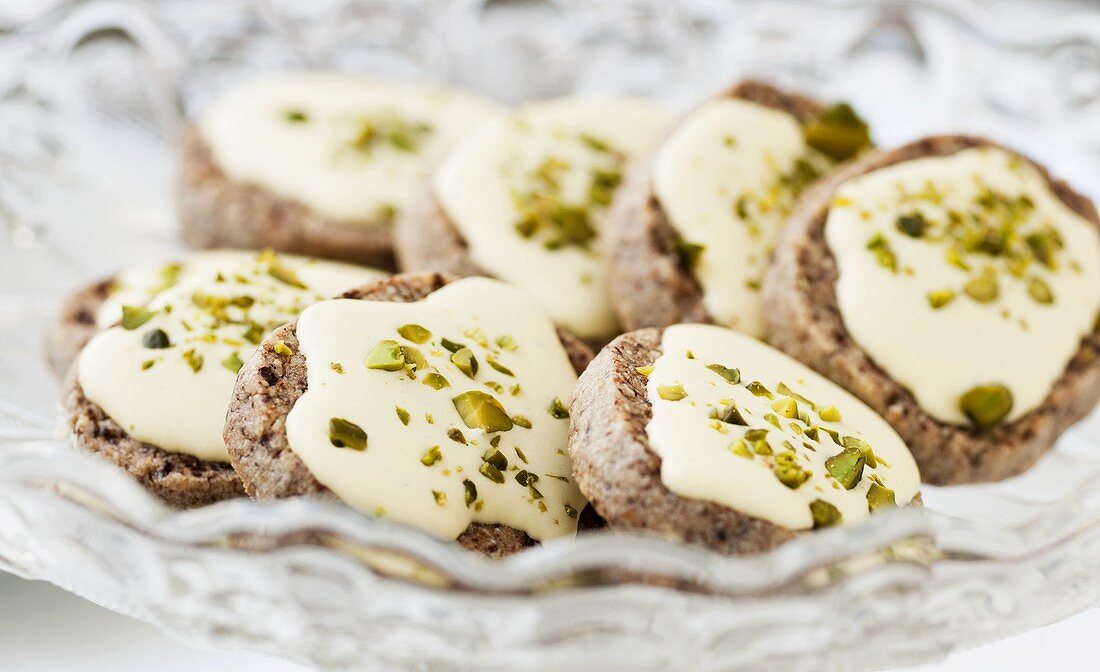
<point x="694" y="229"/>
<point x="442" y="406"/>
<point x="960" y="286"/>
<point x="163" y="376"/>
<point x="316" y="163"/>
<point x="704" y="435"/>
<point x="524" y="199"/>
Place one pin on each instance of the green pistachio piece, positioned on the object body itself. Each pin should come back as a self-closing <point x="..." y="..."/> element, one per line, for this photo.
<point x="740" y="448"/>
<point x="883" y="253"/>
<point x="435" y="381"/>
<point x="286" y="276"/>
<point x="336" y="366"/>
<point x="440" y="497"/>
<point x="296" y="116"/>
<point x="824" y="514"/>
<point x="570" y="511"/>
<point x="788" y="408"/>
<point x="450" y="345"/>
<point x="526" y="478"/>
<point x="758" y="390"/>
<point x="414" y="359"/>
<point x="674" y="392"/>
<point x="402" y="415"/>
<point x="455" y="434"/>
<point x="492" y="360"/>
<point x="233" y="362"/>
<point x="506" y="343"/>
<point x="829" y="414"/>
<point x="879" y="497"/>
<point x="386" y="356"/>
<point x="986" y="405"/>
<point x="557" y="409"/>
<point x="756" y="435"/>
<point x="494" y="386"/>
<point x="1040" y="290"/>
<point x="863" y="447"/>
<point x="194" y="360"/>
<point x="431" y="456"/>
<point x="135" y="316"/>
<point x="495" y="458"/>
<point x="789" y="472"/>
<point x="838" y="132"/>
<point x="646" y="370"/>
<point x="482" y="411"/>
<point x="689" y="253"/>
<point x="762" y="447"/>
<point x="254" y="334"/>
<point x="282" y="349"/>
<point x="521" y="421"/>
<point x="470" y="492"/>
<point x="983" y="288"/>
<point x="346" y="434"/>
<point x="846" y="467"/>
<point x="465" y="361"/>
<point x="414" y="333"/>
<point x="155" y="339"/>
<point x="912" y="225"/>
<point x="773" y="419"/>
<point x="491" y="472"/>
<point x="940" y="298"/>
<point x="729" y="415"/>
<point x="732" y="376"/>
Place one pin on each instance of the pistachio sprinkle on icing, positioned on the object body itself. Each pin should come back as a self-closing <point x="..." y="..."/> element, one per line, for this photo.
<point x="807" y="456"/>
<point x="169" y="380"/>
<point x="973" y="260"/>
<point x="483" y="448"/>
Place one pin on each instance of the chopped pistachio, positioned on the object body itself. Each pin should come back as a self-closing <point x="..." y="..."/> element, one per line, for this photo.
<point x="194" y="360"/>
<point x="838" y="132"/>
<point x="470" y="491"/>
<point x="494" y="386"/>
<point x="435" y="381"/>
<point x="296" y="116"/>
<point x="983" y="288"/>
<point x="402" y="415"/>
<point x="846" y="467"/>
<point x="346" y="434"/>
<point x="519" y="453"/>
<point x="386" y="356"/>
<point x="940" y="298"/>
<point x="155" y="339"/>
<point x="465" y="361"/>
<point x="732" y="376"/>
<point x="570" y="511"/>
<point x="912" y="225"/>
<point x="986" y="405"/>
<point x="440" y="497"/>
<point x="729" y="415"/>
<point x="135" y="316"/>
<point x="336" y="366"/>
<point x="515" y="390"/>
<point x="863" y="447"/>
<point x="492" y="360"/>
<point x="535" y="494"/>
<point x="829" y="414"/>
<point x="414" y="359"/>
<point x="646" y="370"/>
<point x="482" y="411"/>
<point x="773" y="419"/>
<point x="525" y="478"/>
<point x="758" y="390"/>
<point x="521" y="421"/>
<point x="233" y="362"/>
<point x="450" y="345"/>
<point x="740" y="448"/>
<point x="824" y="514"/>
<point x="689" y="253"/>
<point x="431" y="456"/>
<point x="674" y="392"/>
<point x="254" y="334"/>
<point x="789" y="472"/>
<point x="491" y="472"/>
<point x="414" y="333"/>
<point x="495" y="458"/>
<point x="880" y="497"/>
<point x="455" y="434"/>
<point x="594" y="143"/>
<point x="1040" y="290"/>
<point x="885" y="256"/>
<point x="282" y="349"/>
<point x="286" y="276"/>
<point x="506" y="343"/>
<point x="148" y="364"/>
<point x="762" y="447"/>
<point x="788" y="407"/>
<point x="558" y="410"/>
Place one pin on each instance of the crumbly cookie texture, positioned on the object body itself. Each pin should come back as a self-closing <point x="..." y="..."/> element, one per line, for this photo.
<point x="804" y="320"/>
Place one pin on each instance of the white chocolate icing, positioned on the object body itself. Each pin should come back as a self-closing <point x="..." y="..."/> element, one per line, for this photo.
<point x="362" y="150"/>
<point x="389" y="477"/>
<point x="551" y="151"/>
<point x="719" y="178"/>
<point x="696" y="457"/>
<point x="939" y="354"/>
<point x="155" y="394"/>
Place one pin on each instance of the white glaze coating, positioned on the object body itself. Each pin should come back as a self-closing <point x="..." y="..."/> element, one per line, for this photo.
<point x="389" y="476"/>
<point x="719" y="178"/>
<point x="325" y="161"/>
<point x="939" y="354"/>
<point x="168" y="404"/>
<point x="481" y="185"/>
<point x="696" y="460"/>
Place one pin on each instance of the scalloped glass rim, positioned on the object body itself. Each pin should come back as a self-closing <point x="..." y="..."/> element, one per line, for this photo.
<point x="88" y="107"/>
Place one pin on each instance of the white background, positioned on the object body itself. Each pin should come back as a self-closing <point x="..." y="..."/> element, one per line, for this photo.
<point x="43" y="629"/>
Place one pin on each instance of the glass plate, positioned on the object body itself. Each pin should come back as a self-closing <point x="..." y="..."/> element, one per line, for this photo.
<point x="91" y="96"/>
